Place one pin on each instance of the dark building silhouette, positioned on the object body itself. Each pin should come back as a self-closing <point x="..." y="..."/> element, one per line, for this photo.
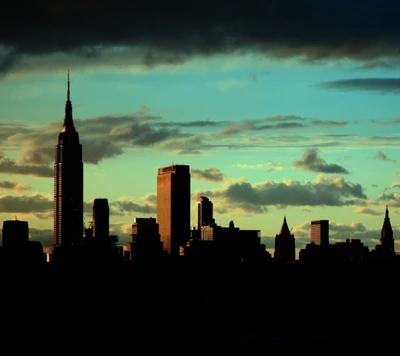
<point x="17" y="249"/>
<point x="173" y="207"/>
<point x="285" y="244"/>
<point x="353" y="250"/>
<point x="227" y="243"/>
<point x="320" y="232"/>
<point x="68" y="183"/>
<point x="15" y="234"/>
<point x="387" y="240"/>
<point x="145" y="240"/>
<point x="101" y="218"/>
<point x="204" y="212"/>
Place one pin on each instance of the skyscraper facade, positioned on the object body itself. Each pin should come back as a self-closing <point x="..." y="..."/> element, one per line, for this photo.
<point x="204" y="212"/>
<point x="101" y="218"/>
<point x="68" y="183"/>
<point x="320" y="232"/>
<point x="173" y="207"/>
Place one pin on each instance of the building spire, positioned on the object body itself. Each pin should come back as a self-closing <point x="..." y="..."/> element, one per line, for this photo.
<point x="285" y="228"/>
<point x="68" y="122"/>
<point x="387" y="233"/>
<point x="68" y="99"/>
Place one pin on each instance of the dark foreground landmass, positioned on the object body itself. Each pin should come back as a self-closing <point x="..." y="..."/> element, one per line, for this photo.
<point x="202" y="309"/>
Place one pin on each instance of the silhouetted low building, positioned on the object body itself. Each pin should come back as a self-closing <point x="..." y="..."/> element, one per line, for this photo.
<point x="145" y="242"/>
<point x="228" y="243"/>
<point x="17" y="250"/>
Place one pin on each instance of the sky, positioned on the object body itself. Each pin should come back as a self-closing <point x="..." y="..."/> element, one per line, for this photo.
<point x="280" y="108"/>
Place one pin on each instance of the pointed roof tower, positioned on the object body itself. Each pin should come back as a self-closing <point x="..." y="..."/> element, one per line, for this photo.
<point x="387" y="232"/>
<point x="285" y="228"/>
<point x="68" y="125"/>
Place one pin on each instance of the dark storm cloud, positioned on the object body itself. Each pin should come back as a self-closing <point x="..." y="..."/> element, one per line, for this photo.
<point x="312" y="162"/>
<point x="323" y="191"/>
<point x="383" y="85"/>
<point x="212" y="174"/>
<point x="172" y="31"/>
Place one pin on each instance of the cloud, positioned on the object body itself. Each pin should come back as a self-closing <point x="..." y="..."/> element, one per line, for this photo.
<point x="6" y="185"/>
<point x="368" y="31"/>
<point x="381" y="156"/>
<point x="278" y="122"/>
<point x="242" y="197"/>
<point x="391" y="199"/>
<point x="10" y="166"/>
<point x="101" y="138"/>
<point x="381" y="64"/>
<point x="383" y="85"/>
<point x="122" y="230"/>
<point x="329" y="122"/>
<point x="128" y="206"/>
<point x="311" y="162"/>
<point x="269" y="166"/>
<point x="212" y="174"/>
<point x="24" y="204"/>
<point x="385" y="122"/>
<point x="367" y="211"/>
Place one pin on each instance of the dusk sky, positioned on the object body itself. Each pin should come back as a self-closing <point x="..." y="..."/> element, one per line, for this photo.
<point x="280" y="108"/>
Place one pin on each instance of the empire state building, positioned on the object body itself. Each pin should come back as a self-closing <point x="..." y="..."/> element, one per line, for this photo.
<point x="68" y="183"/>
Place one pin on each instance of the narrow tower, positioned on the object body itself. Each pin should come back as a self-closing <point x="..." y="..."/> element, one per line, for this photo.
<point x="101" y="218"/>
<point x="68" y="183"/>
<point x="173" y="207"/>
<point x="387" y="241"/>
<point x="285" y="244"/>
<point x="204" y="212"/>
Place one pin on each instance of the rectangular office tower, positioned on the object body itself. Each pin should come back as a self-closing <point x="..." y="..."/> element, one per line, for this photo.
<point x="101" y="218"/>
<point x="320" y="232"/>
<point x="173" y="207"/>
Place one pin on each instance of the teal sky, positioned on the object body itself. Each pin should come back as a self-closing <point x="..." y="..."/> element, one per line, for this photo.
<point x="342" y="138"/>
<point x="274" y="122"/>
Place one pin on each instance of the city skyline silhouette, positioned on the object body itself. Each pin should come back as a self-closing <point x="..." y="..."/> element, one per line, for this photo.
<point x="284" y="117"/>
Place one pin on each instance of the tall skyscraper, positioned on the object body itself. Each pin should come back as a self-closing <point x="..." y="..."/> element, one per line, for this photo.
<point x="173" y="207"/>
<point x="387" y="241"/>
<point x="204" y="212"/>
<point x="68" y="183"/>
<point x="101" y="218"/>
<point x="320" y="232"/>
